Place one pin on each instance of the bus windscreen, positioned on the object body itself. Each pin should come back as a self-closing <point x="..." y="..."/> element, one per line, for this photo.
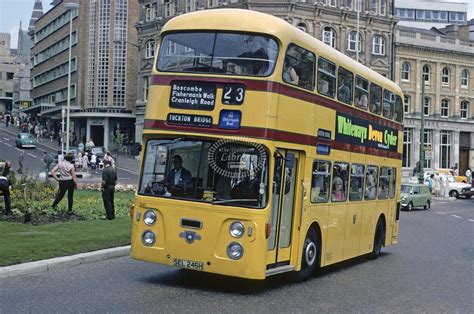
<point x="219" y="53"/>
<point x="219" y="173"/>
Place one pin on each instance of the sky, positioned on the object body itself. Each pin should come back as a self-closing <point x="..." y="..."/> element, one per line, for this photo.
<point x="14" y="11"/>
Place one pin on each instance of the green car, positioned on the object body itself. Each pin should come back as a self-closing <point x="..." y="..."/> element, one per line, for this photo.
<point x="24" y="140"/>
<point x="415" y="195"/>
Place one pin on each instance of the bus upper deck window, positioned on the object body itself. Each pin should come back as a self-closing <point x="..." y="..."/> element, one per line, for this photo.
<point x="362" y="93"/>
<point x="345" y="81"/>
<point x="375" y="104"/>
<point x="398" y="110"/>
<point x="218" y="53"/>
<point x="326" y="78"/>
<point x="388" y="103"/>
<point x="298" y="67"/>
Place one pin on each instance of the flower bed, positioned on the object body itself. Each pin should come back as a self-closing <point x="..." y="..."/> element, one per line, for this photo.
<point x="32" y="202"/>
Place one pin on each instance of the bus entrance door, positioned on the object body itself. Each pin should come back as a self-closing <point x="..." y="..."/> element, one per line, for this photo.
<point x="284" y="202"/>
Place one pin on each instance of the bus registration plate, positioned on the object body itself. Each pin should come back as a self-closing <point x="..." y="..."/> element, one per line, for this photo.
<point x="183" y="263"/>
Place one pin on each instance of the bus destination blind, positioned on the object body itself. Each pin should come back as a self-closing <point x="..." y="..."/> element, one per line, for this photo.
<point x="193" y="95"/>
<point x="189" y="120"/>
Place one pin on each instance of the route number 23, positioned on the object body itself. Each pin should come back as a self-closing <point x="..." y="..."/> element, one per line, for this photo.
<point x="233" y="94"/>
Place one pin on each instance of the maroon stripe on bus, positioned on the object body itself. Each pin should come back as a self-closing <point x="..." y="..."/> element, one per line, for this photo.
<point x="274" y="135"/>
<point x="282" y="89"/>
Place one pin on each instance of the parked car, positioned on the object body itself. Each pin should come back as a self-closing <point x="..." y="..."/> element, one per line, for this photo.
<point x="456" y="189"/>
<point x="25" y="140"/>
<point x="462" y="179"/>
<point x="415" y="195"/>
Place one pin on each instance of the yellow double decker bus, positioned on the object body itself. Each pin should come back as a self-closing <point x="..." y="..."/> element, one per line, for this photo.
<point x="264" y="151"/>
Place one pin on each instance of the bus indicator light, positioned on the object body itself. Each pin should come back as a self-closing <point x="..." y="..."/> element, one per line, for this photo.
<point x="230" y="119"/>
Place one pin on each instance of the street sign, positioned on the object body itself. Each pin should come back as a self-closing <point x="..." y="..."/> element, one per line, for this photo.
<point x="429" y="154"/>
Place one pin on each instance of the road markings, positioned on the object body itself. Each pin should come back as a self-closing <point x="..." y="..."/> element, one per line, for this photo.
<point x="18" y="149"/>
<point x="31" y="155"/>
<point x="455" y="211"/>
<point x="456" y="216"/>
<point x="6" y="139"/>
<point x="441" y="213"/>
<point x="471" y="220"/>
<point x="8" y="144"/>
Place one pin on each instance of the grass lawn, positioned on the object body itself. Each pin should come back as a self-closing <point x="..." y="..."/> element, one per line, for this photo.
<point x="25" y="243"/>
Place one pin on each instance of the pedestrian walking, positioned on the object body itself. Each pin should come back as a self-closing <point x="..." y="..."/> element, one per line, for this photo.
<point x="109" y="157"/>
<point x="20" y="162"/>
<point x="109" y="179"/>
<point x="93" y="163"/>
<point x="85" y="163"/>
<point x="48" y="160"/>
<point x="5" y="188"/>
<point x="436" y="185"/>
<point x="67" y="181"/>
<point x="430" y="183"/>
<point x="469" y="175"/>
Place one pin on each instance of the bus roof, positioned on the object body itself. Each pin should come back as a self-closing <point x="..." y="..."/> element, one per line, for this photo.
<point x="247" y="20"/>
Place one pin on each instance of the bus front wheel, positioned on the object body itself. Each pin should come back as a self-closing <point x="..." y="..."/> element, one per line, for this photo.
<point x="310" y="256"/>
<point x="379" y="239"/>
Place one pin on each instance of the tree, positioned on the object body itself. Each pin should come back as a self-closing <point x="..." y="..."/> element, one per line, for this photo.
<point x="117" y="143"/>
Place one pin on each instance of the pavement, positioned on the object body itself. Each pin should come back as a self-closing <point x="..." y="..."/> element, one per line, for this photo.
<point x="62" y="262"/>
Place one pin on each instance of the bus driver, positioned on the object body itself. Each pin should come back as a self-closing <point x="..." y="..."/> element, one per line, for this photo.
<point x="178" y="179"/>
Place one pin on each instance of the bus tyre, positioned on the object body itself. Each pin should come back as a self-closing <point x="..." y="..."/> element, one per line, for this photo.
<point x="310" y="257"/>
<point x="379" y="239"/>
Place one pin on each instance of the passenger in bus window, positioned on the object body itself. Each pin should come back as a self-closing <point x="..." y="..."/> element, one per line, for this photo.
<point x="338" y="193"/>
<point x="345" y="94"/>
<point x="339" y="182"/>
<point x="398" y="112"/>
<point x="375" y="104"/>
<point x="321" y="182"/>
<point x="356" y="189"/>
<point x="289" y="73"/>
<point x="371" y="183"/>
<point x="362" y="101"/>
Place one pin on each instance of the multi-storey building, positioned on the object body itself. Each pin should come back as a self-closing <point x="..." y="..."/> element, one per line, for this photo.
<point x="430" y="13"/>
<point x="22" y="82"/>
<point x="368" y="39"/>
<point x="7" y="73"/>
<point x="446" y="64"/>
<point x="103" y="68"/>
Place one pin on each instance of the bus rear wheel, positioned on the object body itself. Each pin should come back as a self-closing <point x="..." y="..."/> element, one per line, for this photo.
<point x="379" y="239"/>
<point x="310" y="257"/>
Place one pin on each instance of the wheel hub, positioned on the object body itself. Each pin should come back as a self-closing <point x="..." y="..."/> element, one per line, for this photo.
<point x="310" y="253"/>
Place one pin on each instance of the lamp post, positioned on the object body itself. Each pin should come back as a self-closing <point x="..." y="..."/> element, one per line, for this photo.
<point x="69" y="7"/>
<point x="422" y="132"/>
<point x="63" y="112"/>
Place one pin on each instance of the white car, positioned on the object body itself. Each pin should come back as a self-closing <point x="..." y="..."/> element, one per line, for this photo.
<point x="456" y="189"/>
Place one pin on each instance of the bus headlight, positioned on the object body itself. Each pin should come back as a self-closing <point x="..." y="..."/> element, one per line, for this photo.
<point x="149" y="218"/>
<point x="237" y="229"/>
<point x="148" y="238"/>
<point x="235" y="251"/>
